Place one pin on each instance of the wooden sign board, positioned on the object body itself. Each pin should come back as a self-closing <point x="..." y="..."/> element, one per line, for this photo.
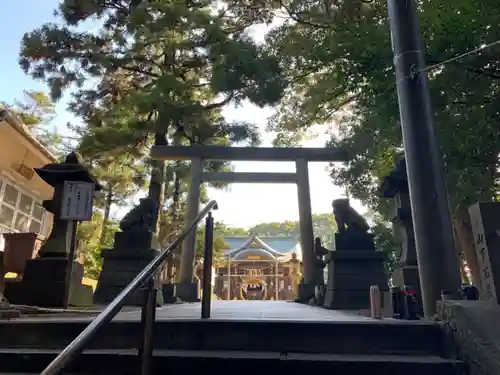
<point x="77" y="201"/>
<point x="254" y="257"/>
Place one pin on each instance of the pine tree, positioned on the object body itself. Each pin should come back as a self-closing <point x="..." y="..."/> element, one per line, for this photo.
<point x="37" y="111"/>
<point x="91" y="241"/>
<point x="121" y="177"/>
<point x="164" y="70"/>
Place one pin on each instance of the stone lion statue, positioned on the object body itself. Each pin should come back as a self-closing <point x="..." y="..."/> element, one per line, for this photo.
<point x="140" y="217"/>
<point x="347" y="218"/>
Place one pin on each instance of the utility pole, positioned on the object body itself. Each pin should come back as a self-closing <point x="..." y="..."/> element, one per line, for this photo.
<point x="438" y="262"/>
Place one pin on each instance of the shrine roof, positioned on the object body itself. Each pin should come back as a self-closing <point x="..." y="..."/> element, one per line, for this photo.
<point x="281" y="244"/>
<point x="278" y="247"/>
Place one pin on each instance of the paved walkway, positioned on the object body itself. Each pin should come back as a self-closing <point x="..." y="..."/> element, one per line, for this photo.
<point x="236" y="310"/>
<point x="262" y="310"/>
<point x="253" y="310"/>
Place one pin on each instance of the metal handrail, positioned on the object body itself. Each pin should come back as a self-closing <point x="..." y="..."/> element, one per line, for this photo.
<point x="78" y="344"/>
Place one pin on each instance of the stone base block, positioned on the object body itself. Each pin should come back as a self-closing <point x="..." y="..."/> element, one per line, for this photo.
<point x="47" y="294"/>
<point x="187" y="292"/>
<point x="350" y="275"/>
<point x="350" y="299"/>
<point x="134" y="240"/>
<point x="109" y="293"/>
<point x="51" y="268"/>
<point x="471" y="335"/>
<point x="81" y="295"/>
<point x="305" y="292"/>
<point x="118" y="270"/>
<point x="354" y="281"/>
<point x="43" y="284"/>
<point x="354" y="241"/>
<point x="169" y="293"/>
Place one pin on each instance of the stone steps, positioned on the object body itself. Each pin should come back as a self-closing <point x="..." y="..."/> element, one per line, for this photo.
<point x="350" y="337"/>
<point x="353" y="345"/>
<point x="126" y="362"/>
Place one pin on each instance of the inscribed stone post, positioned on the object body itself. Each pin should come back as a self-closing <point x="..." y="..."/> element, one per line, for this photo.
<point x="485" y="220"/>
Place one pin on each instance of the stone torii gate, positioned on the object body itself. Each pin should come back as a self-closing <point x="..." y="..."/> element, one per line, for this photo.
<point x="186" y="289"/>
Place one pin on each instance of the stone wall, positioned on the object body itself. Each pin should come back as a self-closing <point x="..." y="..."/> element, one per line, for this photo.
<point x="473" y="333"/>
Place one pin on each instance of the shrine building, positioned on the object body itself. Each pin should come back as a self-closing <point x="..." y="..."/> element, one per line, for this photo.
<point x="259" y="268"/>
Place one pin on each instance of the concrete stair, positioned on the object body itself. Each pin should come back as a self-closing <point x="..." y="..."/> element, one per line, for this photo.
<point x="229" y="346"/>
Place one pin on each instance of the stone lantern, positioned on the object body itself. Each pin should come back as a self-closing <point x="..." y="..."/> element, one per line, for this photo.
<point x="44" y="277"/>
<point x="395" y="187"/>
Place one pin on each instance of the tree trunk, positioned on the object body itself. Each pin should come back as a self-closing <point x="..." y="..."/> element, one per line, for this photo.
<point x="463" y="229"/>
<point x="463" y="273"/>
<point x="107" y="211"/>
<point x="157" y="181"/>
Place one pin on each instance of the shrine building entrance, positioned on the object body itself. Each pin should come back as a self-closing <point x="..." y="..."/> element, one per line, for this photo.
<point x="253" y="289"/>
<point x="258" y="268"/>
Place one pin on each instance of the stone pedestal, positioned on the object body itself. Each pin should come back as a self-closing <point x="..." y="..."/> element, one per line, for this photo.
<point x="188" y="292"/>
<point x="131" y="253"/>
<point x="43" y="284"/>
<point x="168" y="291"/>
<point x="304" y="292"/>
<point x="352" y="268"/>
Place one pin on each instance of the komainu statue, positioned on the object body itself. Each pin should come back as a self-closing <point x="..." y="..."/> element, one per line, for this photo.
<point x="140" y="217"/>
<point x="348" y="220"/>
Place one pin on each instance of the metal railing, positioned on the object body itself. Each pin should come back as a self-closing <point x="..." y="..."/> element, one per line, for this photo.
<point x="148" y="312"/>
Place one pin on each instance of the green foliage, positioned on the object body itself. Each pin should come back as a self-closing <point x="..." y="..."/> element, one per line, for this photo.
<point x="36" y="112"/>
<point x="219" y="244"/>
<point x="160" y="73"/>
<point x="161" y="67"/>
<point x="89" y="245"/>
<point x="324" y="227"/>
<point x="340" y="65"/>
<point x="37" y="108"/>
<point x="228" y="231"/>
<point x="386" y="242"/>
<point x="120" y="177"/>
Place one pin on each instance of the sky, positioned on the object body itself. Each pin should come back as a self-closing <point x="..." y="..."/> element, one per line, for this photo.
<point x="241" y="205"/>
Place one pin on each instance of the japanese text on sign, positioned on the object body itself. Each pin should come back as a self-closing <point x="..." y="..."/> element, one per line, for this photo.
<point x="77" y="201"/>
<point x="481" y="245"/>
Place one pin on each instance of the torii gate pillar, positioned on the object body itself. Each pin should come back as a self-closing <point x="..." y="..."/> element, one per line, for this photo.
<point x="187" y="289"/>
<point x="306" y="228"/>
